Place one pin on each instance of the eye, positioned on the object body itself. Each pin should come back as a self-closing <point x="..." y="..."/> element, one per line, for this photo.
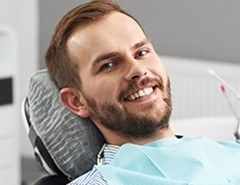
<point x="106" y="66"/>
<point x="141" y="53"/>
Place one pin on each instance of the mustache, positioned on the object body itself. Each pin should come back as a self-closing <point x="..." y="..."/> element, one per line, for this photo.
<point x="136" y="85"/>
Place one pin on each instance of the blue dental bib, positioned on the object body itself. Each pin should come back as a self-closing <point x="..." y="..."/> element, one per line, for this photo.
<point x="173" y="161"/>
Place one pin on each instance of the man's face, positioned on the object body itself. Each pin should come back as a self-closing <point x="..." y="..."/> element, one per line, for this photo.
<point x="124" y="81"/>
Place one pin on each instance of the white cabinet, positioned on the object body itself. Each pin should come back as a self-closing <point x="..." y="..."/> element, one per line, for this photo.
<point x="9" y="110"/>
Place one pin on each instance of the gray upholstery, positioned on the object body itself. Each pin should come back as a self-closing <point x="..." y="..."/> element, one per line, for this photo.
<point x="72" y="142"/>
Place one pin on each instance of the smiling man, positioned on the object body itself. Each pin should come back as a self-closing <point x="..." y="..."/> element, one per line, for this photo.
<point x="108" y="71"/>
<point x="122" y="79"/>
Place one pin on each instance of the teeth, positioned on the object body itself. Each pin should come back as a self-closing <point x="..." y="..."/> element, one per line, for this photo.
<point x="141" y="93"/>
<point x="136" y="95"/>
<point x="132" y="97"/>
<point x="146" y="91"/>
<point x="149" y="91"/>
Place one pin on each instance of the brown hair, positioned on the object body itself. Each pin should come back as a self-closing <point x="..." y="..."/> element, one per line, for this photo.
<point x="58" y="61"/>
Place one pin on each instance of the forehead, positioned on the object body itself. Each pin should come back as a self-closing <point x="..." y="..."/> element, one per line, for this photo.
<point x="113" y="33"/>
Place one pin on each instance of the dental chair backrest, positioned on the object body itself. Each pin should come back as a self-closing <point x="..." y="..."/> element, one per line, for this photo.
<point x="63" y="143"/>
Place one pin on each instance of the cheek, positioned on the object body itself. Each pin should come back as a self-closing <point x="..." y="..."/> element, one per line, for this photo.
<point x="158" y="69"/>
<point x="103" y="90"/>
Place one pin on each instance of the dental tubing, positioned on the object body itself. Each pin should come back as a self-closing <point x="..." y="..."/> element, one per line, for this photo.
<point x="223" y="86"/>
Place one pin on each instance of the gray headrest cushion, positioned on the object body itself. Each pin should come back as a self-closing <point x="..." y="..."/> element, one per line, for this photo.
<point x="72" y="142"/>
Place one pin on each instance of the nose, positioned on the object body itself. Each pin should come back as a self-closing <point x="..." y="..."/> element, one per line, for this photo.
<point x="135" y="71"/>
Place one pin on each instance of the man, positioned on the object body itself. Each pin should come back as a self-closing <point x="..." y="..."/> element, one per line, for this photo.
<point x="108" y="71"/>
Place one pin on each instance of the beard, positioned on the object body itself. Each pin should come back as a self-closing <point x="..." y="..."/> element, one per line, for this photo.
<point x="132" y="125"/>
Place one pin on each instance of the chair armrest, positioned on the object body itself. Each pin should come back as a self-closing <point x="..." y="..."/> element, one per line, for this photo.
<point x="52" y="180"/>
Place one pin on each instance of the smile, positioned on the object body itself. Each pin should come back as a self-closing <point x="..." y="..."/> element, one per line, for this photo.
<point x="141" y="93"/>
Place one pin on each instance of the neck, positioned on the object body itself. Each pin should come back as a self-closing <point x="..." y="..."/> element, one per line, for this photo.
<point x="164" y="133"/>
<point x="114" y="138"/>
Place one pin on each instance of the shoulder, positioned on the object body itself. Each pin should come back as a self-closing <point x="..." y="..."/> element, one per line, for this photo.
<point x="92" y="177"/>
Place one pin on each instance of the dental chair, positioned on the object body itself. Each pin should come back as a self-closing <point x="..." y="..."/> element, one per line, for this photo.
<point x="64" y="144"/>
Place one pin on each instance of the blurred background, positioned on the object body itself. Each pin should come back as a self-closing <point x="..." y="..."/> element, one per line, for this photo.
<point x="190" y="35"/>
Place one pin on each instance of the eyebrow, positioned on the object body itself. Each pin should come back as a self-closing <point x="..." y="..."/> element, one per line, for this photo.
<point x="141" y="43"/>
<point x="114" y="54"/>
<point x="104" y="57"/>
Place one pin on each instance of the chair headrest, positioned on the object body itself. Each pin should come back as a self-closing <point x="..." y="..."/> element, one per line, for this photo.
<point x="72" y="142"/>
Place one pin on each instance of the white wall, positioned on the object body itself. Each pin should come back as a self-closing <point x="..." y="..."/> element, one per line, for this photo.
<point x="196" y="93"/>
<point x="22" y="17"/>
<point x="206" y="30"/>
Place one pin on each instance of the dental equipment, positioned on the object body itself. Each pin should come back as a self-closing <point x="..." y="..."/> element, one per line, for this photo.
<point x="211" y="72"/>
<point x="224" y="92"/>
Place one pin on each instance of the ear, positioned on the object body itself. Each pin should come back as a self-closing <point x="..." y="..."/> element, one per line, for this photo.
<point x="74" y="101"/>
